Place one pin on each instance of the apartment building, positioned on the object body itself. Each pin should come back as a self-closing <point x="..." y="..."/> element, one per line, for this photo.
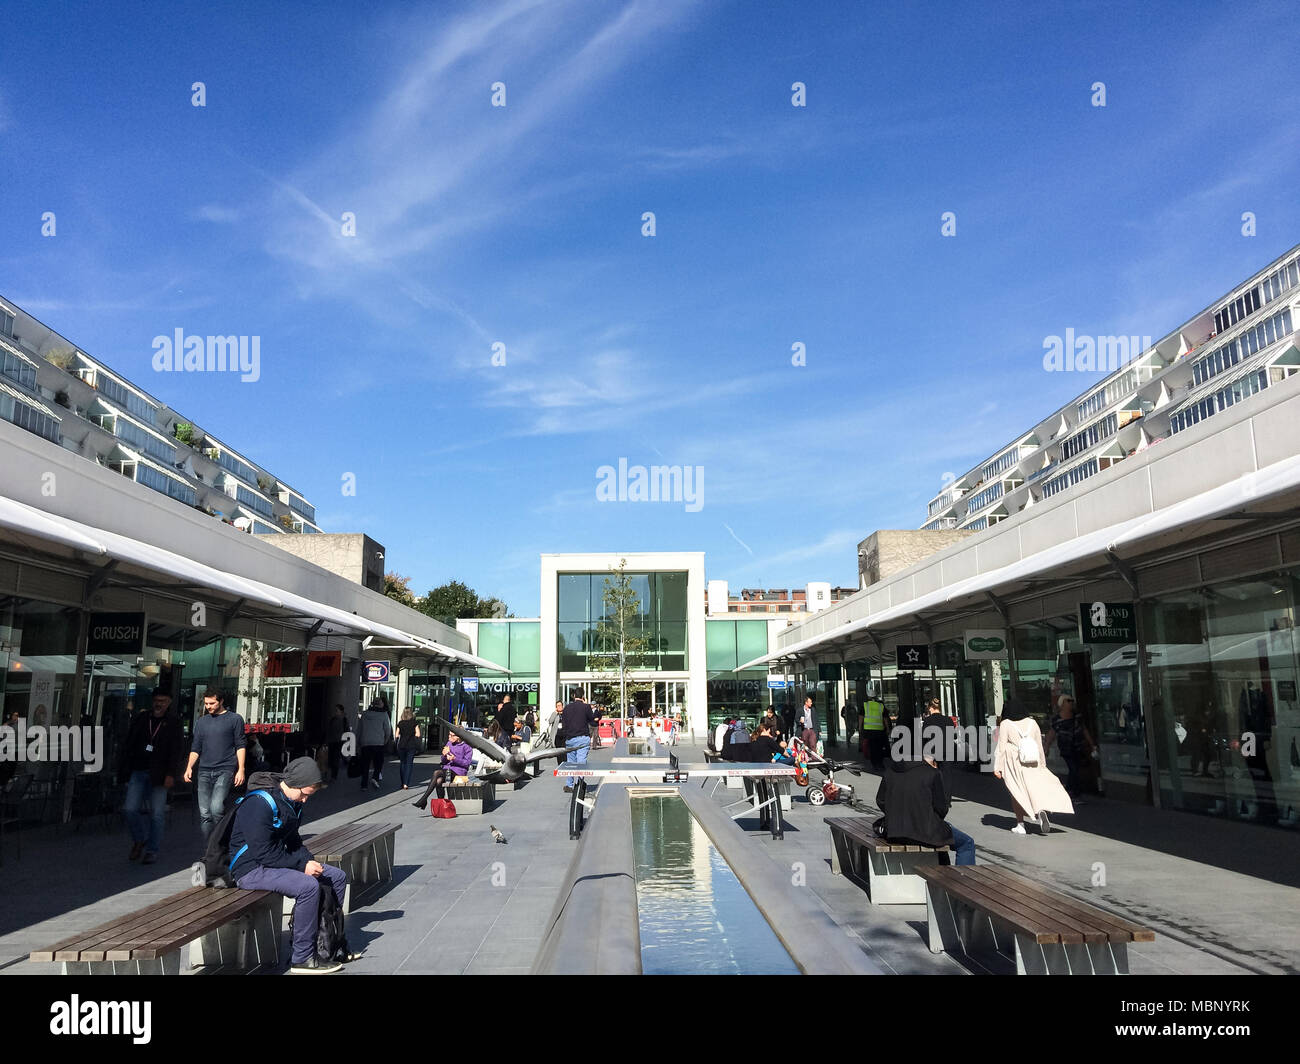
<point x="1235" y="348"/>
<point x="52" y="388"/>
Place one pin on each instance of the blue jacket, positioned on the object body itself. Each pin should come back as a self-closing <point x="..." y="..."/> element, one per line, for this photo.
<point x="256" y="841"/>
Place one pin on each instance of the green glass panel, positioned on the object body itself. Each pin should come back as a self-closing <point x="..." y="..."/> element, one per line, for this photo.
<point x="494" y="642"/>
<point x="751" y="640"/>
<point x="526" y="647"/>
<point x="720" y="645"/>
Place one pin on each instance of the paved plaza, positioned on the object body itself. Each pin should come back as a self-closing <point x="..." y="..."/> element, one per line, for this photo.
<point x="459" y="902"/>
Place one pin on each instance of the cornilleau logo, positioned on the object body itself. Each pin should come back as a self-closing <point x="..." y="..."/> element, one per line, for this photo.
<point x="179" y="353"/>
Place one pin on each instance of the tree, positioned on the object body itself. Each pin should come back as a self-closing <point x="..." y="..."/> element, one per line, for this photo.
<point x="454" y="600"/>
<point x="396" y="587"/>
<point x="620" y="640"/>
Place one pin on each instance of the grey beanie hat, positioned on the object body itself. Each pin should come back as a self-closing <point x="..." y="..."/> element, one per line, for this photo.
<point x="302" y="772"/>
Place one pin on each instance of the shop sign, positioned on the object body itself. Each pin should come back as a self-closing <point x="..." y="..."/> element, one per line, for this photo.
<point x="283" y="664"/>
<point x="469" y="683"/>
<point x="985" y="644"/>
<point x="776" y="685"/>
<point x="912" y="656"/>
<point x="1104" y="680"/>
<point x="374" y="672"/>
<point x="1107" y="622"/>
<point x="325" y="663"/>
<point x="508" y="688"/>
<point x="116" y="633"/>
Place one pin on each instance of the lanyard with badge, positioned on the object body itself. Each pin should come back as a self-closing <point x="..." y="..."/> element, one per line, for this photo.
<point x="153" y="734"/>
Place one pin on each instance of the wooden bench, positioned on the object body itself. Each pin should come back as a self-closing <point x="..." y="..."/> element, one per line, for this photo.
<point x="1048" y="933"/>
<point x="891" y="867"/>
<point x="363" y="851"/>
<point x="236" y="928"/>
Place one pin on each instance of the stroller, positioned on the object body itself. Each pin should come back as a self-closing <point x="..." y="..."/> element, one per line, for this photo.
<point x="806" y="758"/>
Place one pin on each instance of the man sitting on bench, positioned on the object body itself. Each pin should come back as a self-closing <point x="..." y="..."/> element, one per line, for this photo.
<point x="269" y="855"/>
<point x="915" y="801"/>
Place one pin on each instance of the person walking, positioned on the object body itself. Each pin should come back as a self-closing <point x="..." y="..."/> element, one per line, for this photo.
<point x="808" y="722"/>
<point x="1073" y="741"/>
<point x="505" y="718"/>
<point x="849" y="712"/>
<point x="218" y="752"/>
<point x="151" y="758"/>
<point x="269" y="855"/>
<point x="787" y="717"/>
<point x="577" y="720"/>
<point x="375" y="731"/>
<point x="334" y="732"/>
<point x="1019" y="761"/>
<point x="873" y="732"/>
<point x="408" y="744"/>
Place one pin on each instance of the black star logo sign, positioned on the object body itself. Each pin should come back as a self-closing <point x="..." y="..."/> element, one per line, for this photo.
<point x="913" y="655"/>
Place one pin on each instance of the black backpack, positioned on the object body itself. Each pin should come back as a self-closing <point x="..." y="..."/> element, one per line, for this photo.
<point x="331" y="941"/>
<point x="214" y="869"/>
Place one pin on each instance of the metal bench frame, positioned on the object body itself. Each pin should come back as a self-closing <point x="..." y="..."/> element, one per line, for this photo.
<point x="891" y="877"/>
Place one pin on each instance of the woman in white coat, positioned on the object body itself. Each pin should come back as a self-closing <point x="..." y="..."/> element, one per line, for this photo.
<point x="1020" y="761"/>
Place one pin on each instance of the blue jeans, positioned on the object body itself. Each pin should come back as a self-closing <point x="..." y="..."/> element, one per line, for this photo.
<point x="213" y="788"/>
<point x="408" y="765"/>
<point x="305" y="890"/>
<point x="145" y="825"/>
<point x="964" y="845"/>
<point x="577" y="752"/>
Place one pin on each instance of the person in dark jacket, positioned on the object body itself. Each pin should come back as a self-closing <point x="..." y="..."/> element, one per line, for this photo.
<point x="914" y="801"/>
<point x="938" y="737"/>
<point x="576" y="720"/>
<point x="335" y="730"/>
<point x="268" y="854"/>
<point x="375" y="731"/>
<point x="506" y="715"/>
<point x="151" y="760"/>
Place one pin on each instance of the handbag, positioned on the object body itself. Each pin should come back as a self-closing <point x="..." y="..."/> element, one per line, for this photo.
<point x="442" y="808"/>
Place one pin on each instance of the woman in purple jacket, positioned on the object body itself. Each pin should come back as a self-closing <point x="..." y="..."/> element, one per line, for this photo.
<point x="456" y="758"/>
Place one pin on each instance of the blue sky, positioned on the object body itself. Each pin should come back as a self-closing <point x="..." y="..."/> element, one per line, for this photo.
<point x="522" y="225"/>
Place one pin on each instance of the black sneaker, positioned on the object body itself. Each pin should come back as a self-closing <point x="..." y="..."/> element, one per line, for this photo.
<point x="312" y="966"/>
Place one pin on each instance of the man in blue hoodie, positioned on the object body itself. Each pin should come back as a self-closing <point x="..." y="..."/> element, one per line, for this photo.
<point x="269" y="855"/>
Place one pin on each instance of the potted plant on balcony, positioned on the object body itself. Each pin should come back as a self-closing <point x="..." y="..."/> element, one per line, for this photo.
<point x="184" y="433"/>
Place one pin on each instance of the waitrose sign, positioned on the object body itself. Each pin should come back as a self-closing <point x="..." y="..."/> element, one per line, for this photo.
<point x="985" y="644"/>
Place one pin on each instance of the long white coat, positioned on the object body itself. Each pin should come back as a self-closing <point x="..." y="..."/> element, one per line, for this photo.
<point x="1034" y="787"/>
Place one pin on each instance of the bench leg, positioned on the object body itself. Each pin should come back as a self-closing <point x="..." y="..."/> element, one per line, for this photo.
<point x="841" y="855"/>
<point x="892" y="879"/>
<point x="168" y="964"/>
<point x="1109" y="958"/>
<point x="942" y="918"/>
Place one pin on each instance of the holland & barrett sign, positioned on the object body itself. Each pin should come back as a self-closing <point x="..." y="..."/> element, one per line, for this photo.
<point x="1107" y="622"/>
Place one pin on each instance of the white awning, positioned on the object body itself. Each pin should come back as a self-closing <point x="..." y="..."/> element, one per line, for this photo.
<point x="1233" y="497"/>
<point x="30" y="521"/>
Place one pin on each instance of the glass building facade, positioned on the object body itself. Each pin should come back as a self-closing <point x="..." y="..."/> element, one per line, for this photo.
<point x="588" y="639"/>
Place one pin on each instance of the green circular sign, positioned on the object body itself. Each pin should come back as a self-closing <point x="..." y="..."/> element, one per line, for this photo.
<point x="987" y="644"/>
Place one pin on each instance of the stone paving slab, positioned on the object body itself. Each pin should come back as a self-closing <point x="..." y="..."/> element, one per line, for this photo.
<point x="461" y="903"/>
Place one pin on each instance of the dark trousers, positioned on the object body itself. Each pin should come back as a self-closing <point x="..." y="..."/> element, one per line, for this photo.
<point x="336" y="759"/>
<point x="372" y="757"/>
<point x="305" y="890"/>
<point x="408" y="765"/>
<point x="876" y="748"/>
<point x="1071" y="773"/>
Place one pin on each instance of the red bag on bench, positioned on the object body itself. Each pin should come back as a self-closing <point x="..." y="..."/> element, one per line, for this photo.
<point x="442" y="808"/>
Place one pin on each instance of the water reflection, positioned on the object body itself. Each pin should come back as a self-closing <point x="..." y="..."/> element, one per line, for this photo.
<point x="695" y="917"/>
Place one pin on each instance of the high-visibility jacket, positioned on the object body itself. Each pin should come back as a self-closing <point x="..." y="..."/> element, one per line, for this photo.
<point x="873" y="718"/>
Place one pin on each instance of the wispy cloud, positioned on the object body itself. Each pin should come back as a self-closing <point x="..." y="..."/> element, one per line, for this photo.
<point x="731" y="532"/>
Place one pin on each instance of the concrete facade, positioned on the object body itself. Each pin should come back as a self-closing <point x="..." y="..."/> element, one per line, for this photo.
<point x="889" y="551"/>
<point x="352" y="555"/>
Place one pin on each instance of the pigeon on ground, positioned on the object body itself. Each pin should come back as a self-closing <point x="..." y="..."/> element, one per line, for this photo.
<point x="496" y="834"/>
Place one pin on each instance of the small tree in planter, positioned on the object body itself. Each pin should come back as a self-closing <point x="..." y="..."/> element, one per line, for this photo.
<point x="184" y="433"/>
